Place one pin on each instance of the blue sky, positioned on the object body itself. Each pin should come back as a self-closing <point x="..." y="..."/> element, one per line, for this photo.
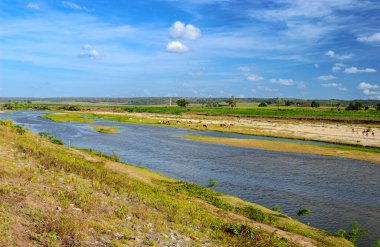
<point x="191" y="48"/>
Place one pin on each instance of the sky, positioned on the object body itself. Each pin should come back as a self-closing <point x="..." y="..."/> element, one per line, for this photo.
<point x="325" y="49"/>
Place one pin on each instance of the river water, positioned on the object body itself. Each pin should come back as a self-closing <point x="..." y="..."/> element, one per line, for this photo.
<point x="338" y="191"/>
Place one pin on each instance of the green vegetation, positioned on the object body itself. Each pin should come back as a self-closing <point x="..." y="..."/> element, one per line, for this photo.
<point x="51" y="138"/>
<point x="105" y="129"/>
<point x="354" y="233"/>
<point x="303" y="212"/>
<point x="212" y="183"/>
<point x="182" y="102"/>
<point x="68" y="117"/>
<point x="314" y="104"/>
<point x="232" y="102"/>
<point x="276" y="208"/>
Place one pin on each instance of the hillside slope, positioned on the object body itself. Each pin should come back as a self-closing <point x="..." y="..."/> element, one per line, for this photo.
<point x="52" y="195"/>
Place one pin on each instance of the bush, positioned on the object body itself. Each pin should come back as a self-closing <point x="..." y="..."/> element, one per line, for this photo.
<point x="262" y="104"/>
<point x="303" y="212"/>
<point x="276" y="208"/>
<point x="354" y="233"/>
<point x="212" y="183"/>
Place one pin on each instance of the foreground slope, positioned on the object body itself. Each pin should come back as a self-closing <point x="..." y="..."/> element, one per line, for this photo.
<point x="53" y="195"/>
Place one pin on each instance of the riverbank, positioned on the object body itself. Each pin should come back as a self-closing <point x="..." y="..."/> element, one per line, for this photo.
<point x="330" y="133"/>
<point x="337" y="151"/>
<point x="340" y="133"/>
<point x="66" y="196"/>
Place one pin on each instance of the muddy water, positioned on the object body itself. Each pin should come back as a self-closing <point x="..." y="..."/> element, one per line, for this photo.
<point x="338" y="191"/>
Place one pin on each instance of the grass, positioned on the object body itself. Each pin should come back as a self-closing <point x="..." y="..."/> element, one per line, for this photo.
<point x="105" y="129"/>
<point x="274" y="111"/>
<point x="68" y="117"/>
<point x="351" y="152"/>
<point x="53" y="195"/>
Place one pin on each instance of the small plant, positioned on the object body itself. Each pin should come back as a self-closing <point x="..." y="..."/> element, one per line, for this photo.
<point x="276" y="208"/>
<point x="303" y="212"/>
<point x="377" y="243"/>
<point x="115" y="157"/>
<point x="51" y="138"/>
<point x="354" y="233"/>
<point x="212" y="183"/>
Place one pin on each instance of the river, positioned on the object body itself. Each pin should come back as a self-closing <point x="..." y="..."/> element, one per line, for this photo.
<point x="338" y="191"/>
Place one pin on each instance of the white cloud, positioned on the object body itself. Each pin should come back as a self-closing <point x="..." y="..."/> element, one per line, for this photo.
<point x="245" y="68"/>
<point x="74" y="6"/>
<point x="89" y="51"/>
<point x="354" y="70"/>
<point x="301" y="84"/>
<point x="338" y="86"/>
<point x="180" y="30"/>
<point x="326" y="77"/>
<point x="285" y="82"/>
<point x="338" y="67"/>
<point x="34" y="6"/>
<point x="370" y="38"/>
<point x="365" y="85"/>
<point x="253" y="77"/>
<point x="370" y="90"/>
<point x="332" y="54"/>
<point x="176" y="47"/>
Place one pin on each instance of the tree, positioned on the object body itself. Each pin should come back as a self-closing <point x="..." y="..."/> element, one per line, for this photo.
<point x="262" y="104"/>
<point x="279" y="102"/>
<point x="314" y="104"/>
<point x="378" y="107"/>
<point x="182" y="102"/>
<point x="232" y="102"/>
<point x="357" y="106"/>
<point x="289" y="103"/>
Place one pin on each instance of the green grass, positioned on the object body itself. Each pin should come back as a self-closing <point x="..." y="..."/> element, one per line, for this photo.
<point x="68" y="117"/>
<point x="283" y="111"/>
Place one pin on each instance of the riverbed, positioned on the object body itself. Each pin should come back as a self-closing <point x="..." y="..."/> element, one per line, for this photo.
<point x="338" y="191"/>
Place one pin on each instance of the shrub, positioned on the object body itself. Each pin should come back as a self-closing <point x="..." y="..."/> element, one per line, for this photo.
<point x="354" y="233"/>
<point x="276" y="208"/>
<point x="303" y="212"/>
<point x="314" y="104"/>
<point x="262" y="104"/>
<point x="212" y="183"/>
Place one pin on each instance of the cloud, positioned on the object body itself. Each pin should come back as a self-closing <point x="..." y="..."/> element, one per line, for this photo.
<point x="176" y="47"/>
<point x="89" y="51"/>
<point x="245" y="68"/>
<point x="354" y="70"/>
<point x="370" y="38"/>
<point x="34" y="6"/>
<point x="316" y="65"/>
<point x="285" y="82"/>
<point x="332" y="54"/>
<point x="338" y="67"/>
<point x="370" y="90"/>
<point x="253" y="77"/>
<point x="334" y="85"/>
<point x="179" y="30"/>
<point x="326" y="77"/>
<point x="74" y="6"/>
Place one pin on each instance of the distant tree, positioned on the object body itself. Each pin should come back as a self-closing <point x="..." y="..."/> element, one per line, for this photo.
<point x="289" y="103"/>
<point x="357" y="106"/>
<point x="182" y="102"/>
<point x="232" y="102"/>
<point x="314" y="104"/>
<point x="378" y="107"/>
<point x="366" y="108"/>
<point x="279" y="102"/>
<point x="262" y="104"/>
